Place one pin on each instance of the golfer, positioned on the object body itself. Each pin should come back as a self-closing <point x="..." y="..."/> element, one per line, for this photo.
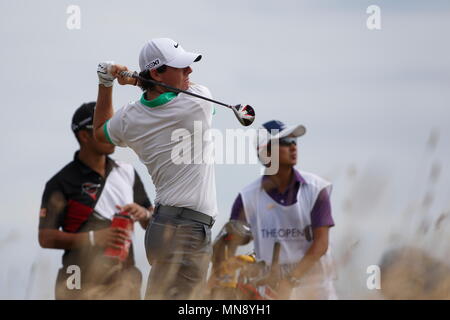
<point x="292" y="208"/>
<point x="161" y="127"/>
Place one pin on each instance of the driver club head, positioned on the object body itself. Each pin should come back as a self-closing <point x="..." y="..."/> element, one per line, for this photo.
<point x="245" y="114"/>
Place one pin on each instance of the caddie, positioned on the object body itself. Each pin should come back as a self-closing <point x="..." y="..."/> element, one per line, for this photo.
<point x="292" y="208"/>
<point x="77" y="208"/>
<point x="158" y="126"/>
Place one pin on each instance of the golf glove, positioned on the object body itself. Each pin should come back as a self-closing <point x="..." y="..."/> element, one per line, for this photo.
<point x="104" y="73"/>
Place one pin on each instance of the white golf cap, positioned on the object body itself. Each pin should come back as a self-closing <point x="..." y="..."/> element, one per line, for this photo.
<point x="165" y="51"/>
<point x="274" y="130"/>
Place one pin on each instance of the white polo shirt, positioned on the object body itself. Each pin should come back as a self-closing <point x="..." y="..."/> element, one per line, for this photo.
<point x="162" y="132"/>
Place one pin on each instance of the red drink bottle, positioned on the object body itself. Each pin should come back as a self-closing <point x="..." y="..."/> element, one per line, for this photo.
<point x="121" y="220"/>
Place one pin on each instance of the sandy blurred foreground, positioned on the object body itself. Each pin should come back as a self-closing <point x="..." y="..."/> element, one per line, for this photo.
<point x="411" y="273"/>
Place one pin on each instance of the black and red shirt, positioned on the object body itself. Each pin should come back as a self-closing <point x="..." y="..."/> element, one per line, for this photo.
<point x="77" y="193"/>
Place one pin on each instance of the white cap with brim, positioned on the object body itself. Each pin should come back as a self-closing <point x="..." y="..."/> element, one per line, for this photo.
<point x="165" y="51"/>
<point x="274" y="130"/>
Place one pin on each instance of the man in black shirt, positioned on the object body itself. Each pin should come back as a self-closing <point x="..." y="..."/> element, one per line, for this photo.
<point x="78" y="205"/>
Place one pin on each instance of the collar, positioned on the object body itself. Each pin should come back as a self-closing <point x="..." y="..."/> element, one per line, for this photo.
<point x="296" y="179"/>
<point x="110" y="164"/>
<point x="163" y="98"/>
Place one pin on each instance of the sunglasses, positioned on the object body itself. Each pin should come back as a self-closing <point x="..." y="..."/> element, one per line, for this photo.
<point x="287" y="141"/>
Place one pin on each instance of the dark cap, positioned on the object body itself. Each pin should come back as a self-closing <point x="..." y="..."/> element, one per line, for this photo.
<point x="274" y="125"/>
<point x="83" y="118"/>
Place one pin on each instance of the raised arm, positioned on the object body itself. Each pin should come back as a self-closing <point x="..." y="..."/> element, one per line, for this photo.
<point x="107" y="72"/>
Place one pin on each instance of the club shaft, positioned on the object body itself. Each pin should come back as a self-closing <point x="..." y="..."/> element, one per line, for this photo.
<point x="136" y="76"/>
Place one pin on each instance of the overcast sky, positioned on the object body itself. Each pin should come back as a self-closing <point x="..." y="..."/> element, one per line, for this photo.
<point x="370" y="99"/>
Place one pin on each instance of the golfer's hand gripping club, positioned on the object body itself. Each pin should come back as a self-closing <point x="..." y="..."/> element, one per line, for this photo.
<point x="105" y="77"/>
<point x="245" y="114"/>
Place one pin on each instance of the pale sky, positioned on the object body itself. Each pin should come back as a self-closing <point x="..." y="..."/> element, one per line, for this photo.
<point x="369" y="101"/>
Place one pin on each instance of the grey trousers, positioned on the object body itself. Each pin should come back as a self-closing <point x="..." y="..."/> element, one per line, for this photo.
<point x="179" y="251"/>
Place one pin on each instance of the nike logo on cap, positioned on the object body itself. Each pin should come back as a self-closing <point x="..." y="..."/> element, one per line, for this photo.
<point x="176" y="45"/>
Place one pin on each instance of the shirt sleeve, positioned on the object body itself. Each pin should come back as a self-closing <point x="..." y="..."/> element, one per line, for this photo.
<point x="53" y="206"/>
<point x="204" y="91"/>
<point x="114" y="129"/>
<point x="237" y="211"/>
<point x="139" y="194"/>
<point x="321" y="212"/>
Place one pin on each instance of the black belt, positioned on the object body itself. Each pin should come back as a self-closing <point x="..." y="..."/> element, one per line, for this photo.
<point x="186" y="214"/>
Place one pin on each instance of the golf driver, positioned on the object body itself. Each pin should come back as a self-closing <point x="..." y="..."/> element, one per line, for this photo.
<point x="245" y="114"/>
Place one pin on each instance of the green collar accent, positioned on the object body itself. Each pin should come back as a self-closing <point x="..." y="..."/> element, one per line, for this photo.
<point x="160" y="100"/>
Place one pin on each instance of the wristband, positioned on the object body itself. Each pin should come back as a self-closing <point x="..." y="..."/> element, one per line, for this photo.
<point x="91" y="238"/>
